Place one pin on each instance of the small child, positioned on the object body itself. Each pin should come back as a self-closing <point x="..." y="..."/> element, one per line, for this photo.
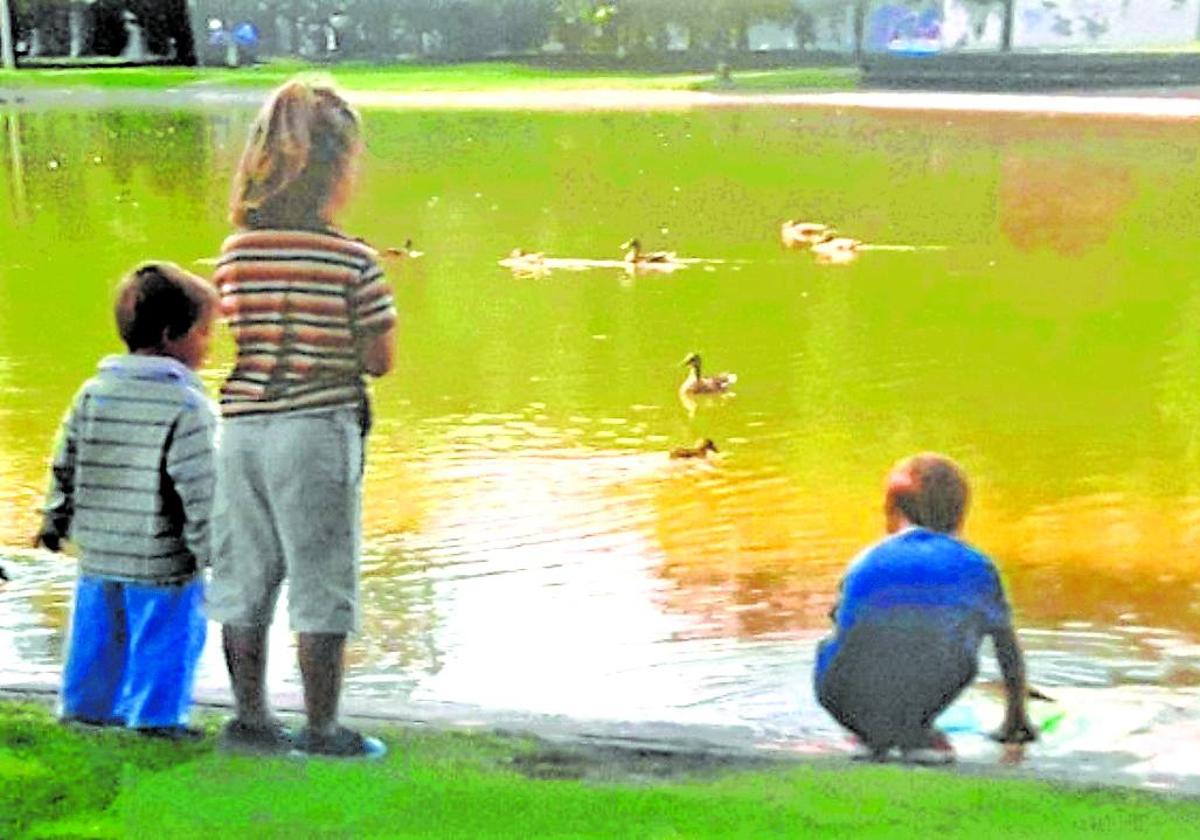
<point x="312" y="317"/>
<point x="914" y="609"/>
<point x="131" y="486"/>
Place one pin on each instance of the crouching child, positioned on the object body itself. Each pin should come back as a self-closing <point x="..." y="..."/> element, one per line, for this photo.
<point x="131" y="486"/>
<point x="914" y="609"/>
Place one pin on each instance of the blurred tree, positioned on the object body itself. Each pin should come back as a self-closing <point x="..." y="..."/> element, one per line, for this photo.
<point x="524" y="25"/>
<point x="7" y="41"/>
<point x="725" y="24"/>
<point x="575" y="23"/>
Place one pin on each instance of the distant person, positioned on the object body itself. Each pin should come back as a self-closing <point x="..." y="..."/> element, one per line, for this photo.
<point x="312" y="315"/>
<point x="131" y="487"/>
<point x="914" y="609"/>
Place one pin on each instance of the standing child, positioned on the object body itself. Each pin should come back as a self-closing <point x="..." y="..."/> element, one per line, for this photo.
<point x="311" y="315"/>
<point x="913" y="611"/>
<point x="131" y="486"/>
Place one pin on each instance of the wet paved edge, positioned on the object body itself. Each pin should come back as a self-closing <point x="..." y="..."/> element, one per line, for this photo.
<point x="577" y="748"/>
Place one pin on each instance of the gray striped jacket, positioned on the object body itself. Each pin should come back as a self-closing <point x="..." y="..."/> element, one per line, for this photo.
<point x="132" y="479"/>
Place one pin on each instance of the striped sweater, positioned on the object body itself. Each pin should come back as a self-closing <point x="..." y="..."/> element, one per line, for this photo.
<point x="301" y="305"/>
<point x="132" y="477"/>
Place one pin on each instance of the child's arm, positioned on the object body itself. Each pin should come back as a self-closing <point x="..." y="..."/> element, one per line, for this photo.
<point x="190" y="468"/>
<point x="373" y="314"/>
<point x="1017" y="728"/>
<point x="60" y="499"/>
<point x="377" y="351"/>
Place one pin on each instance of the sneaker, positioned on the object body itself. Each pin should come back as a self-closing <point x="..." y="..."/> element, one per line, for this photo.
<point x="270" y="737"/>
<point x="87" y="723"/>
<point x="873" y="753"/>
<point x="172" y="733"/>
<point x="935" y="752"/>
<point x="341" y="743"/>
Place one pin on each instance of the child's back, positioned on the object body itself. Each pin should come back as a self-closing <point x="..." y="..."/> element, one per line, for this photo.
<point x="311" y="315"/>
<point x="132" y="488"/>
<point x="137" y="458"/>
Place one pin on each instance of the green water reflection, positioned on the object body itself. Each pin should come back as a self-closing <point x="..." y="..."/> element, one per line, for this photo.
<point x="1051" y="346"/>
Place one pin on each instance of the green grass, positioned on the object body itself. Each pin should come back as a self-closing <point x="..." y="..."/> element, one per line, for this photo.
<point x="401" y="78"/>
<point x="56" y="782"/>
<point x="782" y="81"/>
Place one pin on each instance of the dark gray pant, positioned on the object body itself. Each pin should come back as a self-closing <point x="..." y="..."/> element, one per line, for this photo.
<point x="888" y="683"/>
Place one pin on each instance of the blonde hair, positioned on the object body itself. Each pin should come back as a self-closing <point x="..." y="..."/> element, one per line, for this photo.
<point x="297" y="159"/>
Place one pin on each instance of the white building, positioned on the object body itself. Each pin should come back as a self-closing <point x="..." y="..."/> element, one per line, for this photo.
<point x="1056" y="24"/>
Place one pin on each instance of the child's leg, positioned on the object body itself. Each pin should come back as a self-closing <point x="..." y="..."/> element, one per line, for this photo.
<point x="247" y="567"/>
<point x="166" y="636"/>
<point x="95" y="661"/>
<point x="246" y="659"/>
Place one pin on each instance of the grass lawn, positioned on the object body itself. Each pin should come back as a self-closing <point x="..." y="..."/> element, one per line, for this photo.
<point x="56" y="782"/>
<point x="461" y="77"/>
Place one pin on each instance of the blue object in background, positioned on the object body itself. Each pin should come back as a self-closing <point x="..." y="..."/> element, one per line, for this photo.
<point x="903" y="30"/>
<point x="246" y="34"/>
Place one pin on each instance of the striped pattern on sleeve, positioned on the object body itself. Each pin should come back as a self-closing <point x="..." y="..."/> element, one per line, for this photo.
<point x="300" y="305"/>
<point x="141" y="476"/>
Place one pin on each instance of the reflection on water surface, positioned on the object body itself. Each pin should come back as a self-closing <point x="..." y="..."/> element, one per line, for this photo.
<point x="529" y="543"/>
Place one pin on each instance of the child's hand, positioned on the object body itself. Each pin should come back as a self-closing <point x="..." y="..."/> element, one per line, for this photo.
<point x="48" y="540"/>
<point x="1019" y="731"/>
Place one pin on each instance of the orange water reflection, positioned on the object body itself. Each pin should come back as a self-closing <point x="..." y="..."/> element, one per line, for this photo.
<point x="1068" y="204"/>
<point x="746" y="552"/>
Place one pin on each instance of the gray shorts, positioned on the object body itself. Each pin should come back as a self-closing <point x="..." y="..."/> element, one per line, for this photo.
<point x="288" y="504"/>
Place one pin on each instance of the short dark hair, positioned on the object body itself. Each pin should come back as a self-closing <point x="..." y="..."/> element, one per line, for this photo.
<point x="930" y="490"/>
<point x="160" y="299"/>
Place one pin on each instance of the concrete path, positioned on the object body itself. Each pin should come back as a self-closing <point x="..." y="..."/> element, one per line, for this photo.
<point x="1174" y="105"/>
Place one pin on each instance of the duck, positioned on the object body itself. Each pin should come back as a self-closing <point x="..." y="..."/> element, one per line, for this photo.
<point x="525" y="262"/>
<point x="795" y="234"/>
<point x="836" y="250"/>
<point x="829" y="245"/>
<point x="695" y="383"/>
<point x="407" y="251"/>
<point x="700" y="450"/>
<point x="634" y="255"/>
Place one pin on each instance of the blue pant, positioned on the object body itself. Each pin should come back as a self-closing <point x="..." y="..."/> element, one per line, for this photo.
<point x="132" y="652"/>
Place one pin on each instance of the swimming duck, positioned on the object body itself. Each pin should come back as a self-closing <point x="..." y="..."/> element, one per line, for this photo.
<point x="700" y="450"/>
<point x="407" y="251"/>
<point x="634" y="254"/>
<point x="795" y="234"/>
<point x="829" y="245"/>
<point x="525" y="262"/>
<point x="836" y="250"/>
<point x="695" y="383"/>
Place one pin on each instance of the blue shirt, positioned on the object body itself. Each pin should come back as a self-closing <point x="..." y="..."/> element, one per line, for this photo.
<point x="924" y="577"/>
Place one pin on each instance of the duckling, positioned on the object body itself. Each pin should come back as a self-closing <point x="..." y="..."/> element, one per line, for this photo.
<point x="694" y="383"/>
<point x="407" y="251"/>
<point x="795" y="234"/>
<point x="700" y="450"/>
<point x="636" y="256"/>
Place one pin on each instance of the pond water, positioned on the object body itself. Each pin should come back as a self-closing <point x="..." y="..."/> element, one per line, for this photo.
<point x="529" y="543"/>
